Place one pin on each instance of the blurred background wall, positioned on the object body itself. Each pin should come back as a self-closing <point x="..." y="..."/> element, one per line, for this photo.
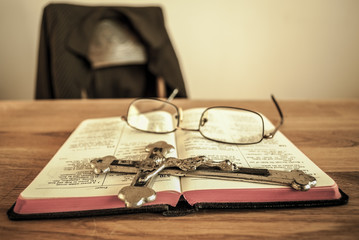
<point x="228" y="49"/>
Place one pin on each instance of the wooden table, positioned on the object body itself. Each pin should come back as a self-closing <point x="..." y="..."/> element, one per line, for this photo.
<point x="326" y="131"/>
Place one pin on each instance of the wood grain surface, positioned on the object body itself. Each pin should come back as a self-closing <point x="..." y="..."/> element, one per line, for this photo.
<point x="326" y="131"/>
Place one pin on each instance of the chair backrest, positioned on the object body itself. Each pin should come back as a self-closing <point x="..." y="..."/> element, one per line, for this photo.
<point x="105" y="52"/>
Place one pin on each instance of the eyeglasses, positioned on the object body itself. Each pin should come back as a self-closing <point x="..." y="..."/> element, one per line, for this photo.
<point x="222" y="124"/>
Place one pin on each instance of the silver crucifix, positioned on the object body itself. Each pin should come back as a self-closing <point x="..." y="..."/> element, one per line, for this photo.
<point x="139" y="192"/>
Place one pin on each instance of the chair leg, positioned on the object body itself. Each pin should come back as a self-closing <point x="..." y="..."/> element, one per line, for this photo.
<point x="161" y="88"/>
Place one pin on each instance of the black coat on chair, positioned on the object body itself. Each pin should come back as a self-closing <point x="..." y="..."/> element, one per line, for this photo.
<point x="66" y="68"/>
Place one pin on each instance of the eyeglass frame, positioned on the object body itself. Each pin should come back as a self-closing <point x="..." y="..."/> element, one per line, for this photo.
<point x="180" y="118"/>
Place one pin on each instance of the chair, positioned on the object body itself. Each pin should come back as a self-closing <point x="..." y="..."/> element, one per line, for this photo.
<point x="105" y="52"/>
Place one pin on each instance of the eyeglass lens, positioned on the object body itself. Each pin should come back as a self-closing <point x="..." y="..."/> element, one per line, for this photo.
<point x="231" y="125"/>
<point x="151" y="115"/>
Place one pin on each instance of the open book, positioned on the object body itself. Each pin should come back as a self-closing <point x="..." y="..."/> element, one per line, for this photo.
<point x="68" y="185"/>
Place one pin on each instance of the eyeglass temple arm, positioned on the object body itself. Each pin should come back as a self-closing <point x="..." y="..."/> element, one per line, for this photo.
<point x="271" y="134"/>
<point x="173" y="95"/>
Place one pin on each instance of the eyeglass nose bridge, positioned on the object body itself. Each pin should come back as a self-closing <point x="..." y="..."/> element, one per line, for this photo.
<point x="179" y="117"/>
<point x="180" y="112"/>
<point x="180" y="120"/>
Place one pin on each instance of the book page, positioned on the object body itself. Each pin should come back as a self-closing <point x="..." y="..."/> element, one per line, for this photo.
<point x="277" y="153"/>
<point x="69" y="174"/>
